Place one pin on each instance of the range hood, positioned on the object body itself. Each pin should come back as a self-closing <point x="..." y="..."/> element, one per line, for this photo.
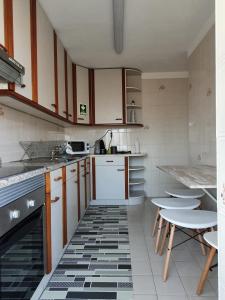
<point x="10" y="70"/>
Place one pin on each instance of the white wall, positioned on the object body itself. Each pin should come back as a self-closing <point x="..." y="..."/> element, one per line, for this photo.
<point x="202" y="103"/>
<point x="164" y="137"/>
<point x="17" y="126"/>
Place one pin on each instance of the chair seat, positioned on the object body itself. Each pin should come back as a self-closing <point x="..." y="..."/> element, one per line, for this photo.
<point x="176" y="203"/>
<point x="185" y="193"/>
<point x="193" y="219"/>
<point x="211" y="239"/>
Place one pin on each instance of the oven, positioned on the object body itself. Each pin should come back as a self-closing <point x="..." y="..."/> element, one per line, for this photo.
<point x="22" y="239"/>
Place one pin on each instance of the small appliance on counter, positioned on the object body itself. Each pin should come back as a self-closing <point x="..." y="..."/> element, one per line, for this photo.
<point x="100" y="147"/>
<point x="77" y="147"/>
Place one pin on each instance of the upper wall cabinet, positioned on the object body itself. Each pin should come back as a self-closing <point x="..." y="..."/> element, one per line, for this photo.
<point x="62" y="105"/>
<point x="22" y="43"/>
<point x="45" y="60"/>
<point x="82" y="90"/>
<point x="70" y="88"/>
<point x="108" y="96"/>
<point x="2" y="35"/>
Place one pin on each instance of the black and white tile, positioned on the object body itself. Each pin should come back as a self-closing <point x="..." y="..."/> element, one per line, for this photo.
<point x="97" y="262"/>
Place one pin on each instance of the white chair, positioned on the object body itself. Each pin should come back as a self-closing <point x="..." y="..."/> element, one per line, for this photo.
<point x="185" y="193"/>
<point x="169" y="203"/>
<point x="211" y="239"/>
<point x="196" y="220"/>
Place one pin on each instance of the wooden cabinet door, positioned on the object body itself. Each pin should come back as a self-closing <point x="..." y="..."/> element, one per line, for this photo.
<point x="70" y="88"/>
<point x="45" y="60"/>
<point x="2" y="27"/>
<point x="72" y="206"/>
<point x="82" y="85"/>
<point x="62" y="111"/>
<point x="108" y="96"/>
<point x="22" y="43"/>
<point x="56" y="224"/>
<point x="110" y="182"/>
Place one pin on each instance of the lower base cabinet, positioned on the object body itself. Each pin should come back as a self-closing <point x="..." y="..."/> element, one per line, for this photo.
<point x="56" y="225"/>
<point x="82" y="193"/>
<point x="72" y="206"/>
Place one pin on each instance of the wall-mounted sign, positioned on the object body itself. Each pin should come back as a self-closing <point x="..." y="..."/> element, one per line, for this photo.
<point x="83" y="109"/>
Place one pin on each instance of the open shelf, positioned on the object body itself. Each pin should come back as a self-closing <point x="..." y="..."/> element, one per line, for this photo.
<point x="136" y="181"/>
<point x="133" y="89"/>
<point x="130" y="106"/>
<point x="136" y="168"/>
<point x="137" y="194"/>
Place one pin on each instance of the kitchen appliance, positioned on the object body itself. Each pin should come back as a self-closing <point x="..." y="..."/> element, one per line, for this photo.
<point x="10" y="70"/>
<point x="22" y="239"/>
<point x="113" y="149"/>
<point x="77" y="147"/>
<point x="100" y="147"/>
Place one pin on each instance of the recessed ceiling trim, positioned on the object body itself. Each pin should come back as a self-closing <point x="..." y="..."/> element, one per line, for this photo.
<point x="201" y="34"/>
<point x="118" y="24"/>
<point x="165" y="75"/>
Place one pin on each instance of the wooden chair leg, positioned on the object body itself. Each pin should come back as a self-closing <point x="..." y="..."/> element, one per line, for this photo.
<point x="155" y="222"/>
<point x="158" y="234"/>
<point x="164" y="238"/>
<point x="205" y="272"/>
<point x="200" y="238"/>
<point x="167" y="260"/>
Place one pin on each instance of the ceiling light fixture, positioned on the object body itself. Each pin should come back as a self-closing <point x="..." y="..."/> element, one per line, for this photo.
<point x="118" y="24"/>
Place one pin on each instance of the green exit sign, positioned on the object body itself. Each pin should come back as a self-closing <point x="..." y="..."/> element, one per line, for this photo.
<point x="83" y="109"/>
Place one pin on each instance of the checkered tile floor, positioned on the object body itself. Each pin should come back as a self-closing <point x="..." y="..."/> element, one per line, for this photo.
<point x="97" y="262"/>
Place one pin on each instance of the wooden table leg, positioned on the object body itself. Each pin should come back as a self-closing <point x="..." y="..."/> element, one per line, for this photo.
<point x="155" y="222"/>
<point x="158" y="234"/>
<point x="167" y="260"/>
<point x="205" y="272"/>
<point x="164" y="238"/>
<point x="200" y="238"/>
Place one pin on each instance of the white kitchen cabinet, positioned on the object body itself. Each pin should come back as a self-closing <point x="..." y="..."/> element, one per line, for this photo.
<point x="22" y="43"/>
<point x="45" y="60"/>
<point x="82" y="188"/>
<point x="72" y="199"/>
<point x="56" y="216"/>
<point x="61" y="79"/>
<point x="108" y="96"/>
<point x="70" y="87"/>
<point x="88" y="181"/>
<point x="110" y="178"/>
<point x="2" y="34"/>
<point x="82" y="85"/>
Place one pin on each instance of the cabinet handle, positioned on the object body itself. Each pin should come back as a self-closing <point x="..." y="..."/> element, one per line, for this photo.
<point x="87" y="173"/>
<point x="82" y="166"/>
<point x="120" y="170"/>
<point x="55" y="200"/>
<point x="118" y="119"/>
<point x="53" y="105"/>
<point x="73" y="170"/>
<point x="65" y="112"/>
<point x="76" y="181"/>
<point x="69" y="115"/>
<point x="82" y="119"/>
<point x="110" y="161"/>
<point x="58" y="178"/>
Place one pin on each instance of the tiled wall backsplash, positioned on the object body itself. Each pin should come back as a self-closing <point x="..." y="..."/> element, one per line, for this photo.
<point x="17" y="126"/>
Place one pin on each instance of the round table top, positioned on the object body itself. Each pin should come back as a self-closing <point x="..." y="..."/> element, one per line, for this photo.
<point x="176" y="203"/>
<point x="193" y="219"/>
<point x="185" y="193"/>
<point x="211" y="238"/>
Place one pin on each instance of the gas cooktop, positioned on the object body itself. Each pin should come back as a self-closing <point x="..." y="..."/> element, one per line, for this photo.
<point x="8" y="171"/>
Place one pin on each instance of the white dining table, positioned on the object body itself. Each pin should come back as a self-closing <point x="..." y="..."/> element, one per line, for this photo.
<point x="194" y="177"/>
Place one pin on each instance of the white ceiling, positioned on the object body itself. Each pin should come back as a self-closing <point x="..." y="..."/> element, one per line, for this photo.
<point x="158" y="33"/>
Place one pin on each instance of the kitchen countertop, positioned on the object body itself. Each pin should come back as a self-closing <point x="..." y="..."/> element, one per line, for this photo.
<point x="42" y="168"/>
<point x="201" y="176"/>
<point x="45" y="166"/>
<point x="121" y="154"/>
